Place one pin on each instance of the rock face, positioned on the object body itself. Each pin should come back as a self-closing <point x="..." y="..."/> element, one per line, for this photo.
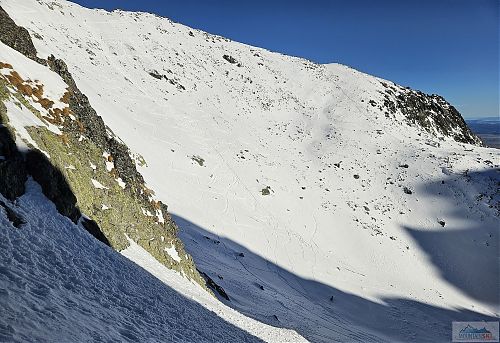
<point x="424" y="109"/>
<point x="15" y="168"/>
<point x="430" y="112"/>
<point x="16" y="37"/>
<point x="12" y="168"/>
<point x="102" y="182"/>
<point x="53" y="184"/>
<point x="92" y="126"/>
<point x="125" y="167"/>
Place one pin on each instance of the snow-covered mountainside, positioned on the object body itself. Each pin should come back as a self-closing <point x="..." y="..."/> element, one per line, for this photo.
<point x="59" y="284"/>
<point x="311" y="197"/>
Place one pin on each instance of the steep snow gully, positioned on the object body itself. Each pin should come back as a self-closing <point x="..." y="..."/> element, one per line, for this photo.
<point x="306" y="202"/>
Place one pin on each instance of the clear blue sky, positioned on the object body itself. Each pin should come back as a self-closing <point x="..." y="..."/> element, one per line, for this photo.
<point x="448" y="47"/>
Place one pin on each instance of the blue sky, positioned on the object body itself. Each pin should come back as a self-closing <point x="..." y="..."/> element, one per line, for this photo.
<point x="448" y="47"/>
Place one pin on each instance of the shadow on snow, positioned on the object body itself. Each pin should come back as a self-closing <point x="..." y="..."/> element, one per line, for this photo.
<point x="467" y="258"/>
<point x="321" y="313"/>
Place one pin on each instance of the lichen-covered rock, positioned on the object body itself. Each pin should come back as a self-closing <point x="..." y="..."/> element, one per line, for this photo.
<point x="88" y="122"/>
<point x="17" y="37"/>
<point x="53" y="184"/>
<point x="91" y="125"/>
<point x="124" y="165"/>
<point x="12" y="168"/>
<point x="430" y="112"/>
<point x="69" y="179"/>
<point x="433" y="110"/>
<point x="15" y="168"/>
<point x="90" y="170"/>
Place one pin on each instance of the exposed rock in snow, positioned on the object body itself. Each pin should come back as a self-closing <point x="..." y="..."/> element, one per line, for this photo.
<point x="350" y="246"/>
<point x="67" y="148"/>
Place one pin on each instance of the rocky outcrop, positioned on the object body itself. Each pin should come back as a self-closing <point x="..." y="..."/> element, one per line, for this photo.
<point x="232" y="60"/>
<point x="15" y="168"/>
<point x="17" y="37"/>
<point x="125" y="167"/>
<point x="89" y="171"/>
<point x="89" y="123"/>
<point x="433" y="110"/>
<point x="53" y="183"/>
<point x="12" y="169"/>
<point x="430" y="112"/>
<point x="214" y="286"/>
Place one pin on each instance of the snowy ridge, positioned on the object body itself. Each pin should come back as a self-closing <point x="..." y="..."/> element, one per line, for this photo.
<point x="298" y="187"/>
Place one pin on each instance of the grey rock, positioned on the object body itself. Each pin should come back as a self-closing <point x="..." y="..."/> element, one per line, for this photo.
<point x="214" y="286"/>
<point x="406" y="190"/>
<point x="433" y="110"/>
<point x="230" y="59"/>
<point x="17" y="37"/>
<point x="12" y="168"/>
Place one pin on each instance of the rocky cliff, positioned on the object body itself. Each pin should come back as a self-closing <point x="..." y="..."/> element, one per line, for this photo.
<point x="81" y="165"/>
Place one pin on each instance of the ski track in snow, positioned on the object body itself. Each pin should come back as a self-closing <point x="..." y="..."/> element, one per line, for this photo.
<point x="330" y="255"/>
<point x="59" y="284"/>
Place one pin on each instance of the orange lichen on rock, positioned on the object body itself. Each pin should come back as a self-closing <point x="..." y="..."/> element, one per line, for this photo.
<point x="66" y="111"/>
<point x="15" y="79"/>
<point x="64" y="138"/>
<point x="155" y="204"/>
<point x="56" y="113"/>
<point x="50" y="120"/>
<point x="65" y="97"/>
<point x="38" y="91"/>
<point x="25" y="90"/>
<point x="81" y="128"/>
<point x="46" y="103"/>
<point x="5" y="65"/>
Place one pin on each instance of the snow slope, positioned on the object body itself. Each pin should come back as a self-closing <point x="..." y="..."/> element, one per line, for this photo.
<point x="338" y="249"/>
<point x="59" y="284"/>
